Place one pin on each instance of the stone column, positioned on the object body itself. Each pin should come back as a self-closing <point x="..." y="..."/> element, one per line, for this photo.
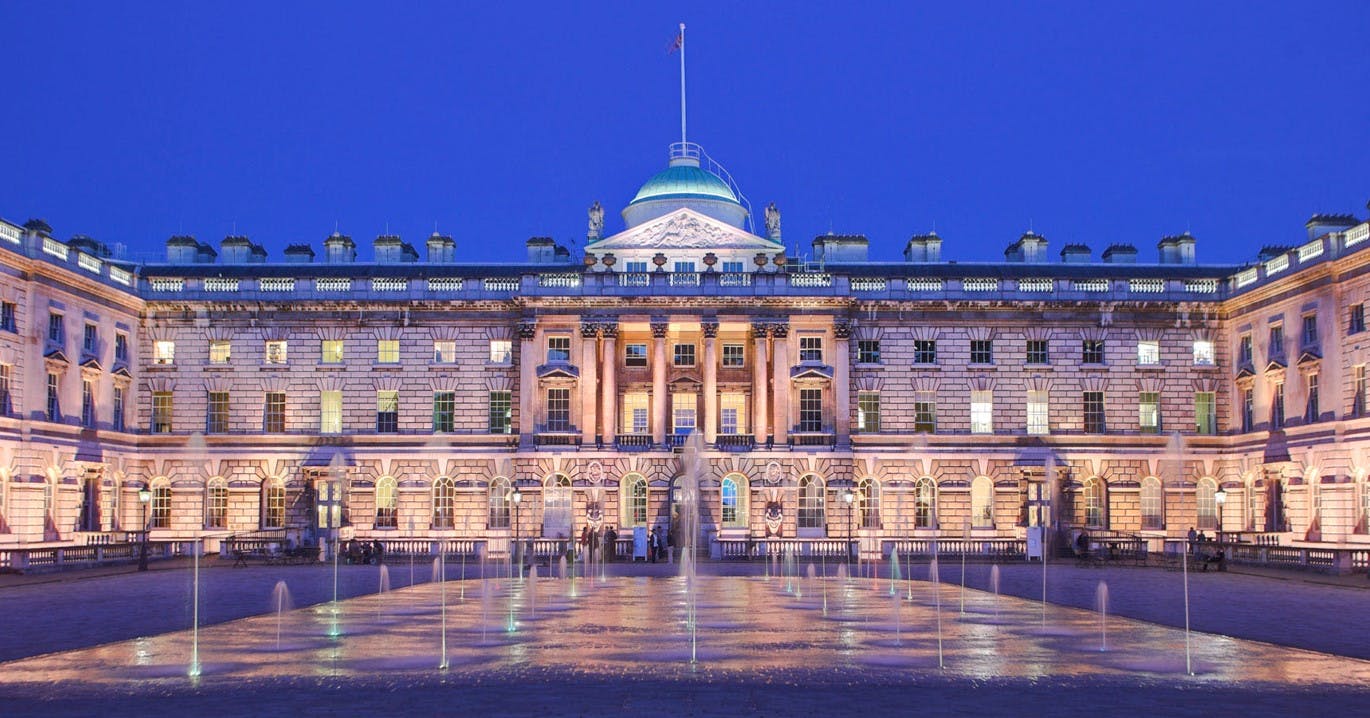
<point x="709" y="417"/>
<point x="661" y="401"/>
<point x="528" y="380"/>
<point x="780" y="415"/>
<point x="608" y="412"/>
<point x="589" y="387"/>
<point x="761" y="410"/>
<point x="841" y="380"/>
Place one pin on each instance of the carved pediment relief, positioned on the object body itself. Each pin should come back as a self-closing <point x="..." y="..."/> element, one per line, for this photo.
<point x="684" y="229"/>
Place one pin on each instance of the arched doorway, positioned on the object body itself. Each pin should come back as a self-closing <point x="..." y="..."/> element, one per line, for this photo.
<point x="556" y="507"/>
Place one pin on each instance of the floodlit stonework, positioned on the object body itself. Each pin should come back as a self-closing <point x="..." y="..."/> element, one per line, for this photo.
<point x="243" y="392"/>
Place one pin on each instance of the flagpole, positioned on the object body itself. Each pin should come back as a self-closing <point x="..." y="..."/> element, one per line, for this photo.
<point x="682" y="83"/>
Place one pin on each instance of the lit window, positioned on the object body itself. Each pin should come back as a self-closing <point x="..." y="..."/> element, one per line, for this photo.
<point x="1149" y="411"/>
<point x="1094" y="491"/>
<point x="868" y="351"/>
<point x="732" y="413"/>
<point x="924" y="412"/>
<point x="160" y="508"/>
<point x="1207" y="504"/>
<point x="637" y="501"/>
<point x="868" y="411"/>
<point x="220" y="351"/>
<point x="1038" y="413"/>
<point x="982" y="502"/>
<point x="330" y="412"/>
<point x="635" y="355"/>
<point x="635" y="413"/>
<point x="216" y="505"/>
<point x="924" y="503"/>
<point x="444" y="352"/>
<point x="499" y="504"/>
<point x="682" y="413"/>
<point x="1205" y="412"/>
<point x="501" y="412"/>
<point x="731" y="499"/>
<point x="982" y="412"/>
<point x="1203" y="353"/>
<point x="1148" y="353"/>
<point x="1092" y="351"/>
<point x="811" y="504"/>
<point x="734" y="355"/>
<point x="501" y="351"/>
<point x="276" y="352"/>
<point x="331" y="352"/>
<point x="163" y="352"/>
<point x="387" y="351"/>
<point x="924" y="351"/>
<point x="161" y="412"/>
<point x="387" y="411"/>
<point x="273" y="504"/>
<point x="386" y="515"/>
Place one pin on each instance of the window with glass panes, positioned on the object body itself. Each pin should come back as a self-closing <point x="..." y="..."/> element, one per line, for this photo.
<point x="1276" y="348"/>
<point x="499" y="504"/>
<point x="88" y="403"/>
<point x="1092" y="351"/>
<point x="56" y="328"/>
<point x="924" y="412"/>
<point x="330" y="352"/>
<point x="1038" y="413"/>
<point x="387" y="351"/>
<point x="1358" y="399"/>
<point x="330" y="412"/>
<point x="981" y="351"/>
<point x="444" y="411"/>
<point x="558" y="409"/>
<point x="811" y="349"/>
<point x="684" y="355"/>
<point x="868" y="351"/>
<point x="1245" y="355"/>
<point x="387" y="411"/>
<point x="121" y="347"/>
<point x="924" y="351"/>
<point x="1037" y="352"/>
<point x="116" y="420"/>
<point x="868" y="411"/>
<point x="7" y="313"/>
<point x="682" y="413"/>
<point x="1148" y="353"/>
<point x="1094" y="412"/>
<point x="734" y="355"/>
<point x="810" y="409"/>
<point x="635" y="355"/>
<point x="632" y="267"/>
<point x="868" y="493"/>
<point x="501" y="412"/>
<point x="734" y="267"/>
<point x="161" y="507"/>
<point x="163" y="352"/>
<point x="1356" y="324"/>
<point x="636" y="413"/>
<point x="220" y="351"/>
<point x="1310" y="330"/>
<point x="1277" y="405"/>
<point x="982" y="412"/>
<point x="1205" y="412"/>
<point x="501" y="351"/>
<point x="90" y="339"/>
<point x="728" y="494"/>
<point x="558" y="349"/>
<point x="216" y="415"/>
<point x="732" y="413"/>
<point x="811" y="505"/>
<point x="1248" y="409"/>
<point x="1153" y="502"/>
<point x="6" y="371"/>
<point x="276" y="352"/>
<point x="685" y="267"/>
<point x="637" y="502"/>
<point x="161" y="412"/>
<point x="54" y="407"/>
<point x="444" y="351"/>
<point x="273" y="414"/>
<point x="1149" y="411"/>
<point x="1206" y="504"/>
<point x="386" y="515"/>
<point x="273" y="505"/>
<point x="1203" y="352"/>
<point x="216" y="505"/>
<point x="1311" y="409"/>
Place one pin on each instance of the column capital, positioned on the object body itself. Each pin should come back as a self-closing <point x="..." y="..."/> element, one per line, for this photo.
<point x="841" y="329"/>
<point x="780" y="329"/>
<point x="589" y="330"/>
<point x="527" y="328"/>
<point x="609" y="328"/>
<point x="709" y="325"/>
<point x="659" y="327"/>
<point x="760" y="329"/>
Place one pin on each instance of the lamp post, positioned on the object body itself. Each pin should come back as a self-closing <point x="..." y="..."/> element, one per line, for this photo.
<point x="1220" y="498"/>
<point x="850" y="498"/>
<point x="517" y="498"/>
<point x="144" y="498"/>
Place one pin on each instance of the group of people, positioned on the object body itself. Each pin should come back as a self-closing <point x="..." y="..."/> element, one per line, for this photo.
<point x="1205" y="555"/>
<point x="364" y="552"/>
<point x="603" y="544"/>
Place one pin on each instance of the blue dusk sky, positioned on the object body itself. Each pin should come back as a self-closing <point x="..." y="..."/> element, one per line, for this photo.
<point x="1093" y="122"/>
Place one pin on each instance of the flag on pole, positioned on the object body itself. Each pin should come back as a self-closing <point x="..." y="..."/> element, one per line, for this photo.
<point x="676" y="43"/>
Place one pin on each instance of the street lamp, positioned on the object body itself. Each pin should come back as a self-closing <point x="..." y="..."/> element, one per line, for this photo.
<point x="517" y="498"/>
<point x="144" y="498"/>
<point x="850" y="498"/>
<point x="1220" y="498"/>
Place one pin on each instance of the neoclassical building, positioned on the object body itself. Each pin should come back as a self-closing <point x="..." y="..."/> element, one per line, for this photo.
<point x="408" y="397"/>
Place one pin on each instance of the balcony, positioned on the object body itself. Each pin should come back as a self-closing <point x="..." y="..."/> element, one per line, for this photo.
<point x="736" y="442"/>
<point x="633" y="442"/>
<point x="813" y="439"/>
<point x="559" y="436"/>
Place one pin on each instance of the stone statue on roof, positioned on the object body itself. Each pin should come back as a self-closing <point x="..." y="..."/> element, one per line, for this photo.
<point x="772" y="222"/>
<point x="596" y="221"/>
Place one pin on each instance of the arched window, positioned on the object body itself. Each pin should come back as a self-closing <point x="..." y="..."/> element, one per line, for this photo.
<point x="982" y="502"/>
<point x="1362" y="521"/>
<point x="161" y="504"/>
<point x="635" y="495"/>
<point x="1205" y="505"/>
<point x="116" y="503"/>
<point x="925" y="503"/>
<point x="4" y="495"/>
<point x="811" y="503"/>
<point x="556" y="507"/>
<point x="734" y="501"/>
<point x="500" y="490"/>
<point x="444" y="503"/>
<point x="273" y="504"/>
<point x="1094" y="494"/>
<point x="1252" y="507"/>
<point x="1153" y="503"/>
<point x="387" y="517"/>
<point x="216" y="503"/>
<point x="868" y="493"/>
<point x="50" y="500"/>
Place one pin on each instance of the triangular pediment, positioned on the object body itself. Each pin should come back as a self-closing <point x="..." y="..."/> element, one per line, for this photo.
<point x="558" y="370"/>
<point x="1308" y="357"/>
<point x="810" y="372"/>
<point x="685" y="229"/>
<point x="1274" y="365"/>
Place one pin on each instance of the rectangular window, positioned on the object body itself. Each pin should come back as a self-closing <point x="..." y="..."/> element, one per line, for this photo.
<point x="981" y="351"/>
<point x="120" y="347"/>
<point x="5" y="374"/>
<point x="1204" y="354"/>
<point x="924" y="351"/>
<point x="682" y="413"/>
<point x="88" y="403"/>
<point x="635" y="355"/>
<point x="1149" y="412"/>
<point x="273" y="413"/>
<point x="734" y="267"/>
<point x="810" y="409"/>
<point x="54" y="401"/>
<point x="163" y="352"/>
<point x="501" y="351"/>
<point x="1094" y="412"/>
<point x="330" y="412"/>
<point x="1276" y="342"/>
<point x="444" y="411"/>
<point x="387" y="411"/>
<point x="636" y="413"/>
<point x="732" y="413"/>
<point x="924" y="412"/>
<point x="216" y="511"/>
<point x="116" y="420"/>
<point x="90" y="339"/>
<point x="216" y="415"/>
<point x="1148" y="353"/>
<point x="1310" y="330"/>
<point x="1037" y="352"/>
<point x="220" y="351"/>
<point x="276" y="353"/>
<point x="558" y="349"/>
<point x="868" y="351"/>
<point x="685" y="267"/>
<point x="1205" y="412"/>
<point x="501" y="412"/>
<point x="444" y="352"/>
<point x="1248" y="409"/>
<point x="1092" y="351"/>
<point x="1245" y="355"/>
<point x="734" y="355"/>
<point x="330" y="352"/>
<point x="558" y="409"/>
<point x="1358" y="406"/>
<point x="1277" y="406"/>
<point x="1038" y="413"/>
<point x="982" y="412"/>
<point x="868" y="411"/>
<point x="387" y="351"/>
<point x="684" y="355"/>
<point x="635" y="267"/>
<point x="161" y="412"/>
<point x="56" y="331"/>
<point x="1356" y="324"/>
<point x="811" y="349"/>
<point x="1311" y="410"/>
<point x="7" y="313"/>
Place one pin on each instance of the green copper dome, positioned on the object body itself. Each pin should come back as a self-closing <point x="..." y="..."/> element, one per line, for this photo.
<point x="684" y="181"/>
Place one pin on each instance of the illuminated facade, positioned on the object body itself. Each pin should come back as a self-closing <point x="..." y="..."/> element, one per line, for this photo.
<point x="939" y="393"/>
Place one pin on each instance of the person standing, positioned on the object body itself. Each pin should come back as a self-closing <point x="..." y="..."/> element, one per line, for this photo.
<point x="610" y="544"/>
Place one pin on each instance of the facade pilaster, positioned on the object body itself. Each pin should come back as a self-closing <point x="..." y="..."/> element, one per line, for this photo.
<point x="661" y="401"/>
<point x="709" y="420"/>
<point x="589" y="386"/>
<point x="780" y="414"/>
<point x="528" y="380"/>
<point x="761" y="410"/>
<point x="608" y="386"/>
<point x="841" y="380"/>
